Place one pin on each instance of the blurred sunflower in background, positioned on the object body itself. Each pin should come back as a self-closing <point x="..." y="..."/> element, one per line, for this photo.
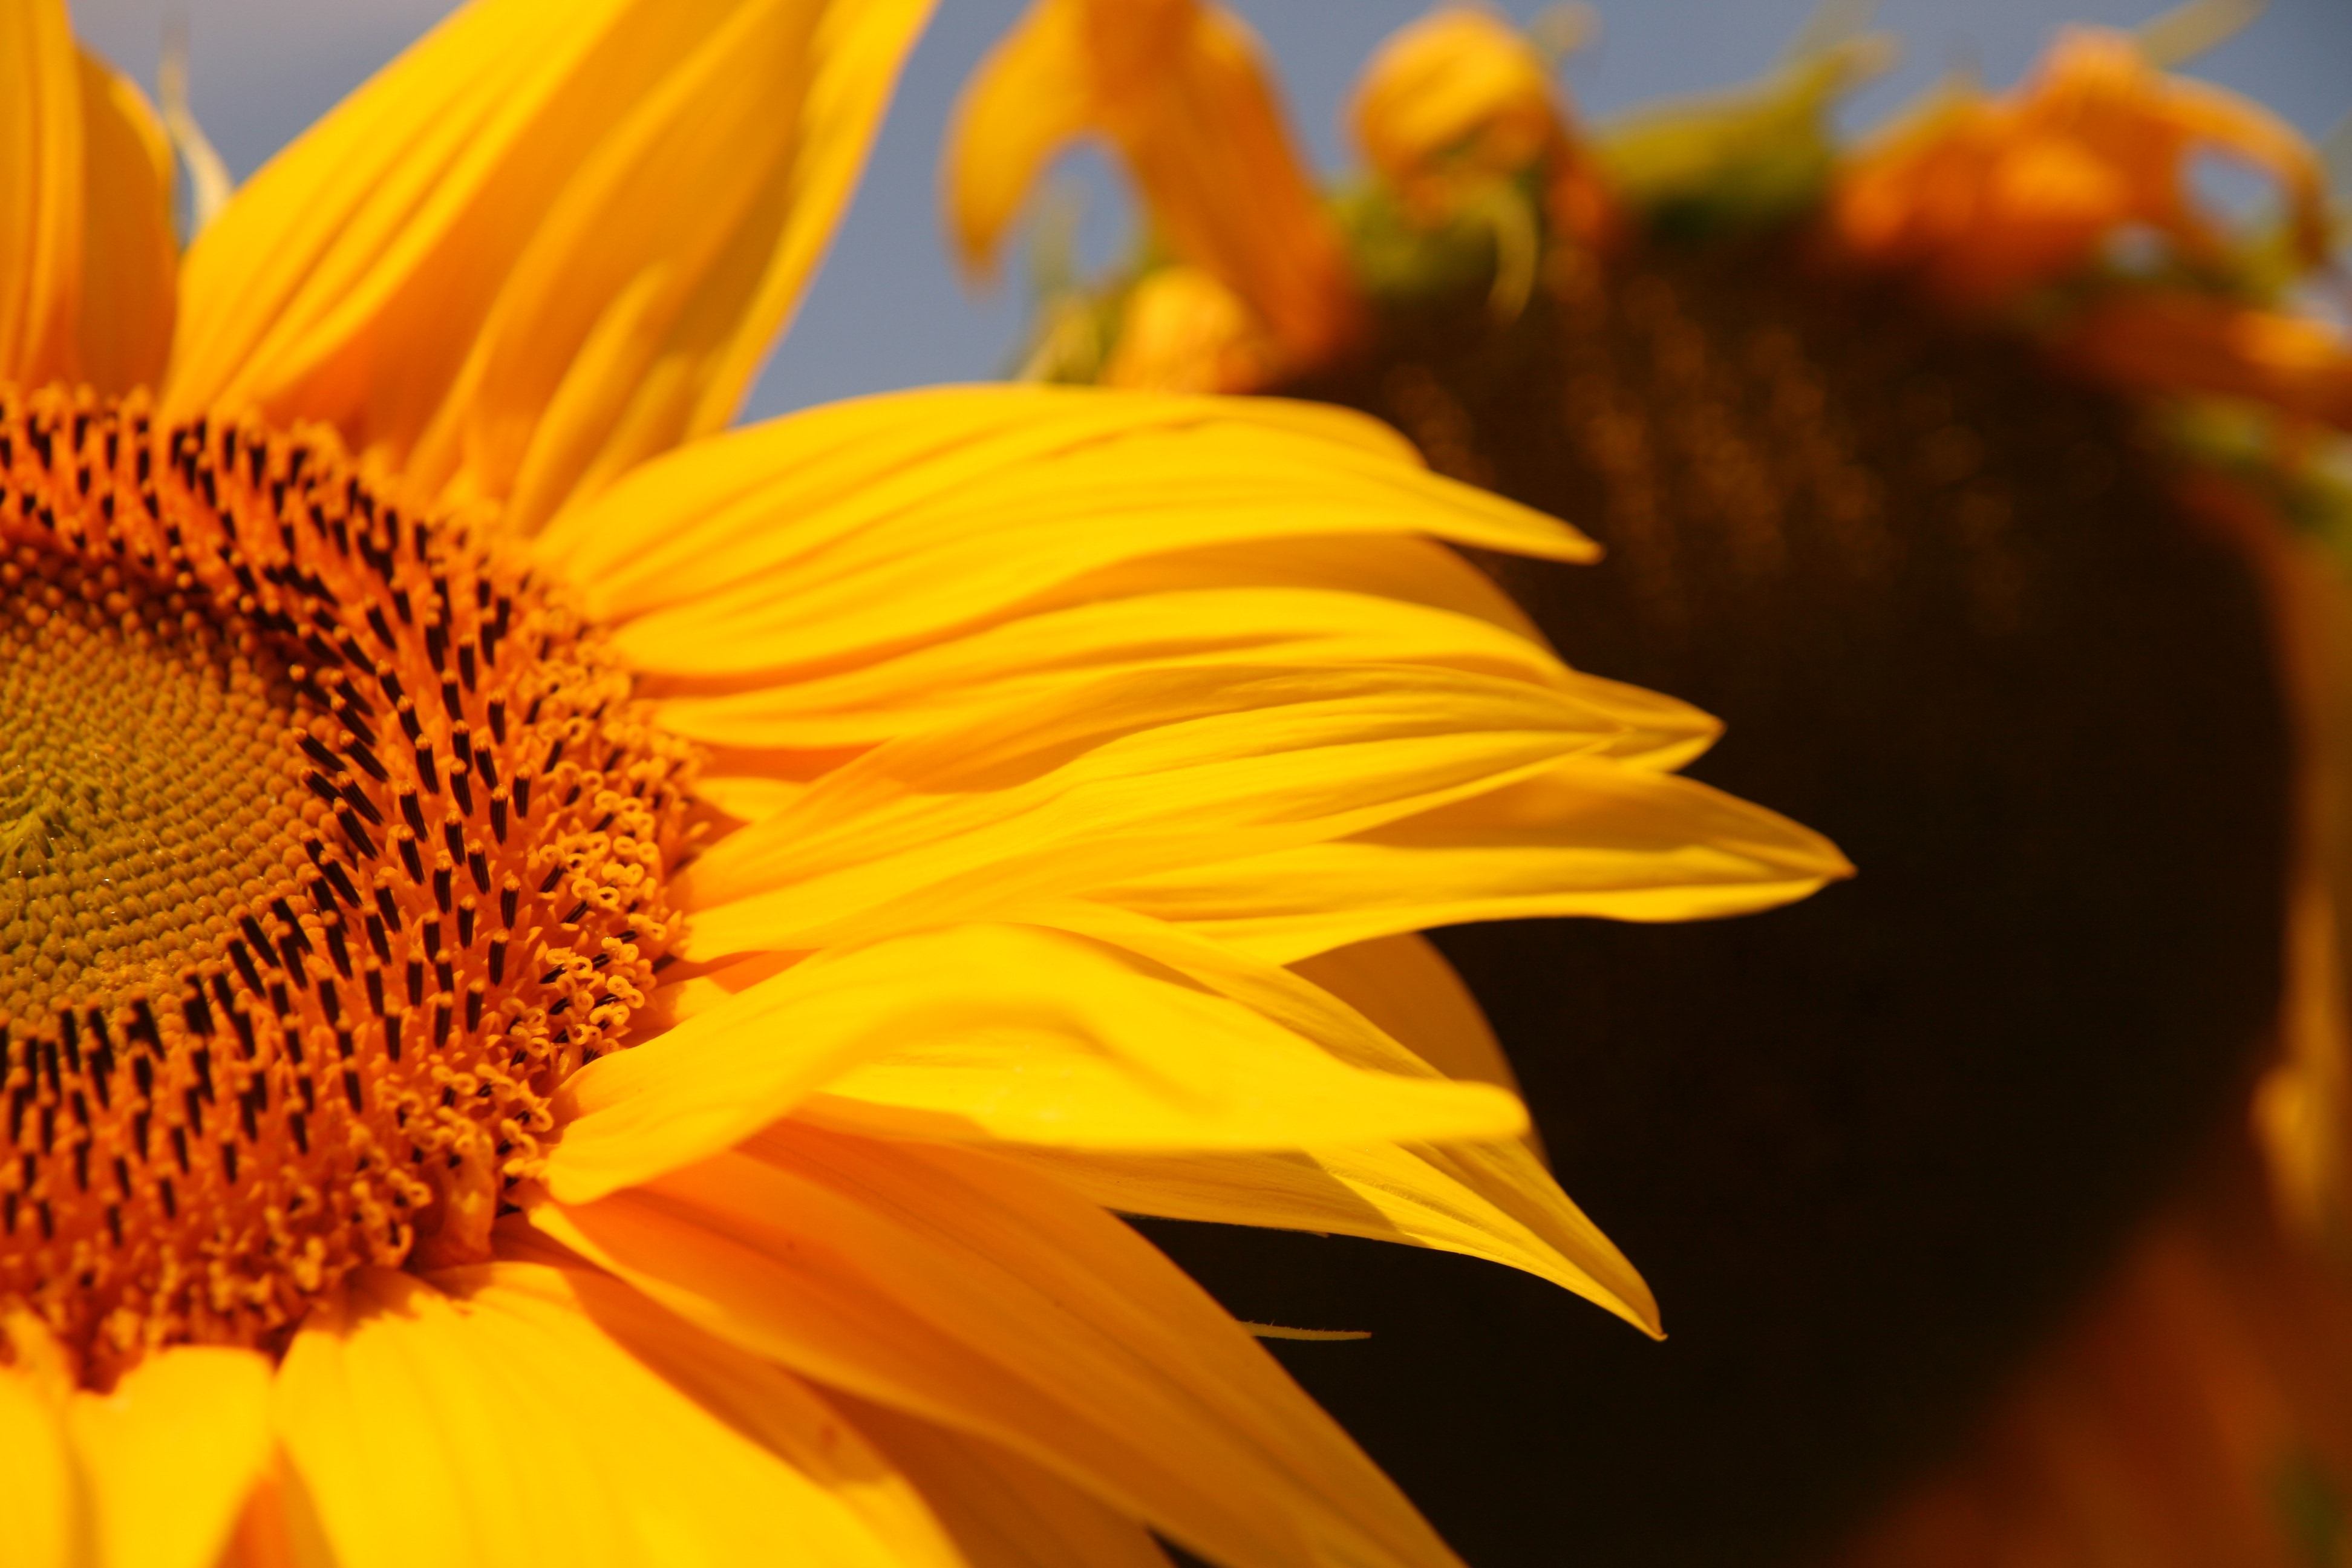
<point x="577" y="984"/>
<point x="1992" y="486"/>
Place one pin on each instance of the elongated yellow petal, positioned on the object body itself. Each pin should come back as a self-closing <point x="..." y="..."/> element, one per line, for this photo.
<point x="504" y="1426"/>
<point x="1125" y="779"/>
<point x="40" y="1492"/>
<point x="170" y="1454"/>
<point x="129" y="260"/>
<point x="1584" y="838"/>
<point x="1032" y="96"/>
<point x="1483" y="1201"/>
<point x="992" y="1034"/>
<point x="966" y="1292"/>
<point x="1004" y="1511"/>
<point x="877" y="523"/>
<point x="548" y="241"/>
<point x="1027" y="658"/>
<point x="41" y="193"/>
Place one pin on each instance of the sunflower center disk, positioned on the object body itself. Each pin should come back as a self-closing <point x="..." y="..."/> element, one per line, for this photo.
<point x="330" y="843"/>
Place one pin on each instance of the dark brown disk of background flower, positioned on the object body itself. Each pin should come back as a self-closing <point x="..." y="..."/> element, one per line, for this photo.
<point x="1864" y="1148"/>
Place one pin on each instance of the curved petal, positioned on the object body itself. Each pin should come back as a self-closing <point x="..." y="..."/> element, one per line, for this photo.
<point x="964" y="1291"/>
<point x="1030" y="98"/>
<point x="1406" y="988"/>
<point x="170" y="1454"/>
<point x="1004" y="1511"/>
<point x="992" y="1034"/>
<point x="547" y="242"/>
<point x="880" y="523"/>
<point x="1581" y="839"/>
<point x="1483" y="1201"/>
<point x="41" y="193"/>
<point x="129" y="258"/>
<point x="1122" y="780"/>
<point x="504" y="1425"/>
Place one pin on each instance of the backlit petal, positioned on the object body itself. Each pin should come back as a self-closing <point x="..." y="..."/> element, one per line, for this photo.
<point x="1404" y="986"/>
<point x="548" y="241"/>
<point x="969" y="1293"/>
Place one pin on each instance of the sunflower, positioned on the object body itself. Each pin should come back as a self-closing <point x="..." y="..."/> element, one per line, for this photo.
<point x="581" y="986"/>
<point x="1992" y="488"/>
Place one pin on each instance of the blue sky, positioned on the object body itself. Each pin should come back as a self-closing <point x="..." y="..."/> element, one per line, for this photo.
<point x="888" y="311"/>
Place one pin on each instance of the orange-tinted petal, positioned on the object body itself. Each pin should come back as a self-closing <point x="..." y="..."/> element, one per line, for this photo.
<point x="41" y="193"/>
<point x="130" y="259"/>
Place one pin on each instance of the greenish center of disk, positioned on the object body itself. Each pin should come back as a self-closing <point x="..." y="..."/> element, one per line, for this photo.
<point x="142" y="790"/>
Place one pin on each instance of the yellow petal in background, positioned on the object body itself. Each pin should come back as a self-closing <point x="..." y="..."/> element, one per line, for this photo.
<point x="976" y="1296"/>
<point x="130" y="259"/>
<point x="1181" y="89"/>
<point x="546" y="242"/>
<point x="502" y="1426"/>
<point x="41" y="1499"/>
<point x="1403" y="984"/>
<point x="41" y="193"/>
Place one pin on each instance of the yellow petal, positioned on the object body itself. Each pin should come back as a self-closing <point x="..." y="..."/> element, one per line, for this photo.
<point x="1004" y="1511"/>
<point x="41" y="193"/>
<point x="1454" y="100"/>
<point x="503" y="1427"/>
<point x="1181" y="89"/>
<point x="1130" y="778"/>
<point x="1584" y="838"/>
<point x="968" y="1293"/>
<point x="129" y="260"/>
<point x="1404" y="986"/>
<point x="40" y="1492"/>
<point x="1021" y="660"/>
<point x="1493" y="1202"/>
<point x="548" y="241"/>
<point x="992" y="1034"/>
<point x="1032" y="96"/>
<point x="171" y="1453"/>
<point x="874" y="524"/>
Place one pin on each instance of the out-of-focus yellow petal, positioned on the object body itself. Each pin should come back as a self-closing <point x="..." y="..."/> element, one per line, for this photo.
<point x="1121" y="781"/>
<point x="1182" y="331"/>
<point x="2170" y="342"/>
<point x="992" y="1034"/>
<point x="1988" y="197"/>
<point x="129" y="260"/>
<point x="1583" y="838"/>
<point x="548" y="241"/>
<point x="1181" y="89"/>
<point x="967" y="1293"/>
<point x="864" y="527"/>
<point x="170" y="1454"/>
<point x="1460" y="101"/>
<point x="503" y="1427"/>
<point x="1004" y="1511"/>
<point x="41" y="193"/>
